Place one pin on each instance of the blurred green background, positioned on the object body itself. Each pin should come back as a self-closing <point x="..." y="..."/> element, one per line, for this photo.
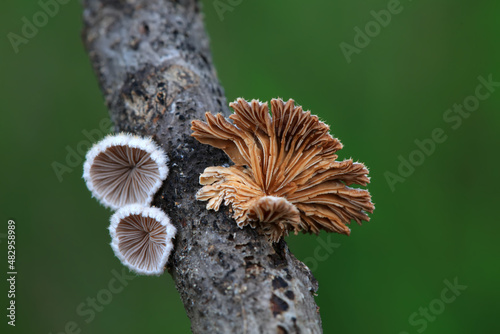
<point x="439" y="224"/>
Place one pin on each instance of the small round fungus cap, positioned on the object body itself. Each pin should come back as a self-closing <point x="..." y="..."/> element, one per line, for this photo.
<point x="142" y="238"/>
<point x="125" y="169"/>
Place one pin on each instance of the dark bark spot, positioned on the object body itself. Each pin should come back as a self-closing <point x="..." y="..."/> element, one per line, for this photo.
<point x="134" y="43"/>
<point x="278" y="305"/>
<point x="211" y="250"/>
<point x="281" y="330"/>
<point x="144" y="28"/>
<point x="248" y="259"/>
<point x="277" y="261"/>
<point x="290" y="295"/>
<point x="279" y="282"/>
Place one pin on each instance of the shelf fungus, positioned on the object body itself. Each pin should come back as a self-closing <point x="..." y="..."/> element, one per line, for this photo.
<point x="142" y="238"/>
<point x="125" y="169"/>
<point x="285" y="175"/>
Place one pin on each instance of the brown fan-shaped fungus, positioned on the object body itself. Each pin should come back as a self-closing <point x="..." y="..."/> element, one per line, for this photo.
<point x="285" y="176"/>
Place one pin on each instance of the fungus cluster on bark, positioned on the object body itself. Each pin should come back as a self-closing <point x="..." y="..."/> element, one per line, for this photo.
<point x="123" y="172"/>
<point x="285" y="176"/>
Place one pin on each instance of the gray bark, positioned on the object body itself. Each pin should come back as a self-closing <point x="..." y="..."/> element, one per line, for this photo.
<point x="154" y="66"/>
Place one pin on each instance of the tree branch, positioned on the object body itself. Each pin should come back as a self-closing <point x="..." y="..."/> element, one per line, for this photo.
<point x="154" y="66"/>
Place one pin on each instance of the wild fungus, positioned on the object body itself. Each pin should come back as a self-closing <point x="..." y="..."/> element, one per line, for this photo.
<point x="285" y="176"/>
<point x="124" y="169"/>
<point x="142" y="238"/>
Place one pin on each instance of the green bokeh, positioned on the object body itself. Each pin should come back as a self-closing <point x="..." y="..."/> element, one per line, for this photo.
<point x="436" y="225"/>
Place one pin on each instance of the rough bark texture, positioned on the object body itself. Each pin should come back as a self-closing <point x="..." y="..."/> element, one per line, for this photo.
<point x="153" y="62"/>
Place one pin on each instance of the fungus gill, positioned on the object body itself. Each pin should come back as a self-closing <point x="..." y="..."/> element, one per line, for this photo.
<point x="124" y="169"/>
<point x="285" y="175"/>
<point x="142" y="238"/>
